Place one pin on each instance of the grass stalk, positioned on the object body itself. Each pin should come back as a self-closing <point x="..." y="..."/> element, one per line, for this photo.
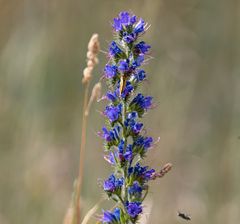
<point x="82" y="153"/>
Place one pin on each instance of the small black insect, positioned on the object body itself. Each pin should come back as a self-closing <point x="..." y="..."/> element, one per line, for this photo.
<point x="184" y="216"/>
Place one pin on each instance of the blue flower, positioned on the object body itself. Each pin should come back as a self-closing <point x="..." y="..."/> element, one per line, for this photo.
<point x="114" y="49"/>
<point x="110" y="71"/>
<point x="111" y="217"/>
<point x="133" y="19"/>
<point x="148" y="174"/>
<point x="112" y="96"/>
<point x="123" y="66"/>
<point x="129" y="37"/>
<point x="139" y="27"/>
<point x="119" y="182"/>
<point x="136" y="128"/>
<point x="131" y="123"/>
<point x="148" y="142"/>
<point x="124" y="19"/>
<point x="112" y="135"/>
<point x="141" y="102"/>
<point x="121" y="146"/>
<point x="130" y="120"/>
<point x="133" y="115"/>
<point x="143" y="142"/>
<point x="134" y="208"/>
<point x="142" y="47"/>
<point x="112" y="183"/>
<point x="113" y="112"/>
<point x="121" y="154"/>
<point x="138" y="61"/>
<point x="121" y="150"/>
<point x="117" y="25"/>
<point x="109" y="185"/>
<point x="135" y="188"/>
<point x="142" y="173"/>
<point x="127" y="90"/>
<point x="140" y="75"/>
<point x="108" y="136"/>
<point x="147" y="102"/>
<point x="124" y="155"/>
<point x="128" y="155"/>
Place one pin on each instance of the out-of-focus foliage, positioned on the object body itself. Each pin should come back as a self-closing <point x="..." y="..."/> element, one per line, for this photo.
<point x="194" y="76"/>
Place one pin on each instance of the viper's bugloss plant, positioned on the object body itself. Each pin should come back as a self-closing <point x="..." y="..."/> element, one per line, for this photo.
<point x="125" y="140"/>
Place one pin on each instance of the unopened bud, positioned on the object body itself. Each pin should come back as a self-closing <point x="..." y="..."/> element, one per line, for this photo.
<point x="166" y="168"/>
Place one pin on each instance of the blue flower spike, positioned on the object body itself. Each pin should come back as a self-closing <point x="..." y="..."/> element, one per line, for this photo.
<point x="125" y="142"/>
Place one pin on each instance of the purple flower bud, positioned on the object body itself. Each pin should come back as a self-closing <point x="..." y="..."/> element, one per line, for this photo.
<point x="125" y="18"/>
<point x="137" y="128"/>
<point x="112" y="183"/>
<point x="110" y="71"/>
<point x="111" y="217"/>
<point x="133" y="19"/>
<point x="135" y="188"/>
<point x="113" y="112"/>
<point x="127" y="90"/>
<point x="142" y="47"/>
<point x="141" y="172"/>
<point x="128" y="155"/>
<point x="142" y="102"/>
<point x="109" y="185"/>
<point x="117" y="25"/>
<point x="134" y="209"/>
<point x="112" y="96"/>
<point x="129" y="38"/>
<point x="132" y="115"/>
<point x="138" y="61"/>
<point x="121" y="146"/>
<point x="148" y="174"/>
<point x="111" y="135"/>
<point x="114" y="49"/>
<point x="139" y="27"/>
<point x="143" y="143"/>
<point x="123" y="66"/>
<point x="140" y="75"/>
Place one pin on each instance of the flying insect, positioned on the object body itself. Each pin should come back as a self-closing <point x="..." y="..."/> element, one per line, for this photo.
<point x="184" y="216"/>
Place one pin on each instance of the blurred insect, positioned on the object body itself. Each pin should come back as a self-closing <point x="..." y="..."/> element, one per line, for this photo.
<point x="123" y="81"/>
<point x="184" y="216"/>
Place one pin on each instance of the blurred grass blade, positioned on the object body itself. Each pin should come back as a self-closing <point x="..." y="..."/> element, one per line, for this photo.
<point x="91" y="212"/>
<point x="70" y="216"/>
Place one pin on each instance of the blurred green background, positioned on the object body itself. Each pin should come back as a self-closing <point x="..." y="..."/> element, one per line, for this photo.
<point x="194" y="77"/>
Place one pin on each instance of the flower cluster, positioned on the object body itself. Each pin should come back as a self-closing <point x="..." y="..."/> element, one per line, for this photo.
<point x="125" y="141"/>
